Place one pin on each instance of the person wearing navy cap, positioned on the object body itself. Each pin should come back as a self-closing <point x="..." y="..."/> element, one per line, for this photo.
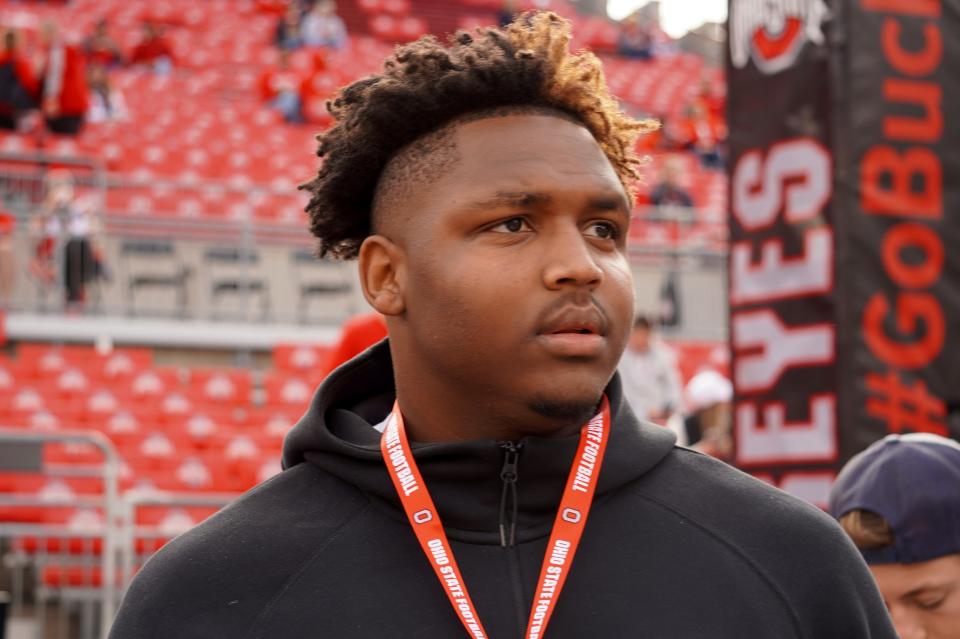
<point x="899" y="501"/>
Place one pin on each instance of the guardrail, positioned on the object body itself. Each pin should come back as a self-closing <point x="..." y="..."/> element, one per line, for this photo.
<point x="86" y="563"/>
<point x="34" y="543"/>
<point x="183" y="218"/>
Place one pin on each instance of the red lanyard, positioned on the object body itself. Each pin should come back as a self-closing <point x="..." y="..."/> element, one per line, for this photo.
<point x="564" y="539"/>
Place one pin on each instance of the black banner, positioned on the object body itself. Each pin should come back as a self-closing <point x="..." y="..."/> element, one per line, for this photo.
<point x="782" y="309"/>
<point x="844" y="260"/>
<point x="899" y="258"/>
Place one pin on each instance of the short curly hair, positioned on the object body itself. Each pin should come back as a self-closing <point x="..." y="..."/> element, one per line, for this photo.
<point x="426" y="85"/>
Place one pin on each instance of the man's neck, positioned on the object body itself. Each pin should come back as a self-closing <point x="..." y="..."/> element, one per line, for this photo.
<point x="438" y="413"/>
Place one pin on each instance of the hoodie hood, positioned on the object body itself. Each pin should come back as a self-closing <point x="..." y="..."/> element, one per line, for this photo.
<point x="337" y="435"/>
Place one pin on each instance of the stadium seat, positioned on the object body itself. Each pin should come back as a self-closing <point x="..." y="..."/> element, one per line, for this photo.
<point x="300" y="358"/>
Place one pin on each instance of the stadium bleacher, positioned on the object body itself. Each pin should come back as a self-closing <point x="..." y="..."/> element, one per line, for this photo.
<point x="206" y="121"/>
<point x="199" y="144"/>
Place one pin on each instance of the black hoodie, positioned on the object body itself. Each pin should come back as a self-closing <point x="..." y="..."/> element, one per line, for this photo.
<point x="677" y="545"/>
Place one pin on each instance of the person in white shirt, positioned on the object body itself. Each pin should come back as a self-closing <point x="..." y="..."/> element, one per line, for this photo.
<point x="648" y="368"/>
<point x="322" y="27"/>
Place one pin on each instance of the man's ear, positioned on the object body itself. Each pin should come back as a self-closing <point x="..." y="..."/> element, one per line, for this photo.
<point x="382" y="274"/>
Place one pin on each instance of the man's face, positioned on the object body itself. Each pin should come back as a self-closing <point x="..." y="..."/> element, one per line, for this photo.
<point x="517" y="284"/>
<point x="923" y="598"/>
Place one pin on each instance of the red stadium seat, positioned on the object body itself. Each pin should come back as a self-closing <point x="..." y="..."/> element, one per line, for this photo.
<point x="301" y="358"/>
<point x="396" y="7"/>
<point x="154" y="382"/>
<point x="370" y="6"/>
<point x="222" y="386"/>
<point x="286" y="389"/>
<point x="75" y="531"/>
<point x="411" y="28"/>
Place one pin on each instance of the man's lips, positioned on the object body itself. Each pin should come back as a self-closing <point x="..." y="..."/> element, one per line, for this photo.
<point x="576" y="320"/>
<point x="574" y="331"/>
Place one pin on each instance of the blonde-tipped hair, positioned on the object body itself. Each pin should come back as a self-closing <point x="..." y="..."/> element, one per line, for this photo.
<point x="428" y="84"/>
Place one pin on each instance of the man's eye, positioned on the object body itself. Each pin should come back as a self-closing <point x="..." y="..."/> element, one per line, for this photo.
<point x="929" y="603"/>
<point x="603" y="230"/>
<point x="513" y="225"/>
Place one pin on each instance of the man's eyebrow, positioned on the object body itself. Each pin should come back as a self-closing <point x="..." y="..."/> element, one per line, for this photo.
<point x="919" y="590"/>
<point x="610" y="202"/>
<point x="506" y="199"/>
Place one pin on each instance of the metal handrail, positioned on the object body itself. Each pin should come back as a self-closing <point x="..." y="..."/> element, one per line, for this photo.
<point x="111" y="505"/>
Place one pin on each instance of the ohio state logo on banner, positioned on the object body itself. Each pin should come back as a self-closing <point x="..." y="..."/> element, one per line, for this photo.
<point x="782" y="278"/>
<point x="772" y="33"/>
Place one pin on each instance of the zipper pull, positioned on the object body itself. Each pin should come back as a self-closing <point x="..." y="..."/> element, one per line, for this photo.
<point x="512" y="453"/>
<point x="508" y="496"/>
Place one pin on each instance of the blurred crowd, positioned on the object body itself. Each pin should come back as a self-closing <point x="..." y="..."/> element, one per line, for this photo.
<point x="47" y="80"/>
<point x="300" y="92"/>
<point x="698" y="413"/>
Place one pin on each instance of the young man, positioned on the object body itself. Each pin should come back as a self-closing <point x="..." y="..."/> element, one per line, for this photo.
<point x="899" y="501"/>
<point x="483" y="187"/>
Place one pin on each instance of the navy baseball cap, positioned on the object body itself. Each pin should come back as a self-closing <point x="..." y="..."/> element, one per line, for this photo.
<point x="912" y="481"/>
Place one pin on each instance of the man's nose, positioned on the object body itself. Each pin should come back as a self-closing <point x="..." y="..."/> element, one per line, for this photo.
<point x="570" y="261"/>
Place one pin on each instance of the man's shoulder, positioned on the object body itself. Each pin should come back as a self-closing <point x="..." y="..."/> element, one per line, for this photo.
<point x="299" y="499"/>
<point x="802" y="554"/>
<point x="740" y="508"/>
<point x="224" y="572"/>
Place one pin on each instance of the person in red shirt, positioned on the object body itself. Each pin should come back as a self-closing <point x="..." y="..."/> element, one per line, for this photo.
<point x="274" y="8"/>
<point x="101" y="48"/>
<point x="714" y="103"/>
<point x="153" y="50"/>
<point x="65" y="93"/>
<point x="18" y="83"/>
<point x="708" y="133"/>
<point x="316" y="89"/>
<point x="357" y="335"/>
<point x="280" y="88"/>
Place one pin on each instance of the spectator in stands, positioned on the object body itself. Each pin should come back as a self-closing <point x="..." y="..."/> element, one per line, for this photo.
<point x="153" y="50"/>
<point x="106" y="101"/>
<point x="668" y="191"/>
<point x="280" y="88"/>
<point x="18" y="83"/>
<point x="65" y="93"/>
<point x="677" y="134"/>
<point x="655" y="139"/>
<point x="648" y="369"/>
<point x="316" y="89"/>
<point x="708" y="132"/>
<point x="44" y="232"/>
<point x="507" y="12"/>
<point x="899" y="501"/>
<point x="272" y="7"/>
<point x="8" y="223"/>
<point x="101" y="48"/>
<point x="322" y="27"/>
<point x="636" y="38"/>
<point x="712" y="102"/>
<point x="708" y="396"/>
<point x="65" y="215"/>
<point x="287" y="35"/>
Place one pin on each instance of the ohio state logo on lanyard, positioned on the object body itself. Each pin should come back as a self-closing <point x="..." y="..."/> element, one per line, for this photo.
<point x="564" y="539"/>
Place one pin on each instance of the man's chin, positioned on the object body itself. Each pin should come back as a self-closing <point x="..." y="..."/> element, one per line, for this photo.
<point x="565" y="411"/>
